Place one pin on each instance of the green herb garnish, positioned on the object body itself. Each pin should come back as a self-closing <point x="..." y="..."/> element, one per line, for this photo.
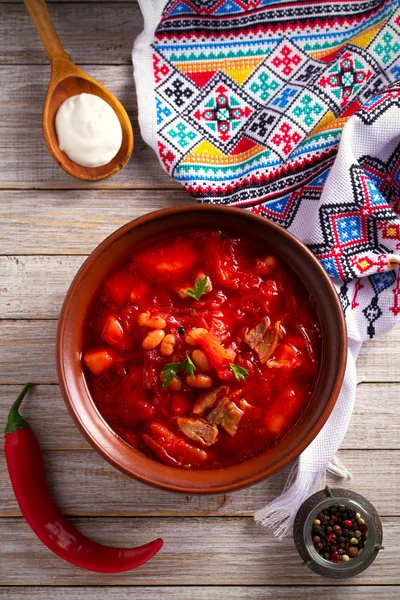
<point x="168" y="373"/>
<point x="199" y="288"/>
<point x="239" y="372"/>
<point x="188" y="366"/>
<point x="171" y="369"/>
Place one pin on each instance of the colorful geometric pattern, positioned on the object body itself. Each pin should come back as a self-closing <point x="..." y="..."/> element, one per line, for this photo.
<point x="345" y="78"/>
<point x="251" y="97"/>
<point x="259" y="74"/>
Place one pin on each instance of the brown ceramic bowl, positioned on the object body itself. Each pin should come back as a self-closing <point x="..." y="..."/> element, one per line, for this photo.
<point x="114" y="250"/>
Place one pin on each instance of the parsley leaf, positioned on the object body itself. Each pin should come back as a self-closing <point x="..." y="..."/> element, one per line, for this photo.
<point x="188" y="366"/>
<point x="239" y="372"/>
<point x="199" y="288"/>
<point x="171" y="369"/>
<point x="168" y="373"/>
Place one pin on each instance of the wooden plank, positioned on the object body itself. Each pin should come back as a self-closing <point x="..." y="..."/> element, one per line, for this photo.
<point x="24" y="158"/>
<point x="229" y="551"/>
<point x="73" y="221"/>
<point x="33" y="287"/>
<point x="83" y="484"/>
<point x="91" y="33"/>
<point x="374" y="425"/>
<point x="375" y="361"/>
<point x="27" y="349"/>
<point x="47" y="414"/>
<point x="250" y="592"/>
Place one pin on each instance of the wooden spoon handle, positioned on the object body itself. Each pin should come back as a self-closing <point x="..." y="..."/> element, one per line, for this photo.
<point x="41" y="17"/>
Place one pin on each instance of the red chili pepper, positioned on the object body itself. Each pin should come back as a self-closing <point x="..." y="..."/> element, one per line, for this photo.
<point x="27" y="474"/>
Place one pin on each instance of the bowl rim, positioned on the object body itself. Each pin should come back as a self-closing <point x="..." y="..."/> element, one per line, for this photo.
<point x="82" y="423"/>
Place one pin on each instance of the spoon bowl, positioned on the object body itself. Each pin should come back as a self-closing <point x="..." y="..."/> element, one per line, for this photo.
<point x="68" y="80"/>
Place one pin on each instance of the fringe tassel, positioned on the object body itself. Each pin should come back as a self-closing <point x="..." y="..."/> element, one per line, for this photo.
<point x="280" y="513"/>
<point x="336" y="467"/>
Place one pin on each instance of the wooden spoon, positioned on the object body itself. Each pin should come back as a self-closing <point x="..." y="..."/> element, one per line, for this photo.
<point x="68" y="80"/>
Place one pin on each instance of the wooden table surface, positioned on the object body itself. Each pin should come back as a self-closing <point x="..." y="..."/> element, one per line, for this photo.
<point x="49" y="222"/>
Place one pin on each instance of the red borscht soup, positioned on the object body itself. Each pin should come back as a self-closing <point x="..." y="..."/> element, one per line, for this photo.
<point x="202" y="350"/>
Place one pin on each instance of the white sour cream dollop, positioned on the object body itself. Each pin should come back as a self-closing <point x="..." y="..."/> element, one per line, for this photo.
<point x="88" y="130"/>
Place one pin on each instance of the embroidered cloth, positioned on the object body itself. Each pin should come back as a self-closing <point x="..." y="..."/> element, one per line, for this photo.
<point x="289" y="109"/>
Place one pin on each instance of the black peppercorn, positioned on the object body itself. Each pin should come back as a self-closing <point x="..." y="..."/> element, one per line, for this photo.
<point x="331" y="541"/>
<point x="181" y="330"/>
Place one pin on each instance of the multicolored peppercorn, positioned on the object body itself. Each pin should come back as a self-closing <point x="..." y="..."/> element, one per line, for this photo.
<point x="339" y="533"/>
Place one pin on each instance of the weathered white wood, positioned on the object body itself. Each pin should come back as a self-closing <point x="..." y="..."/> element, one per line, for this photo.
<point x="250" y="592"/>
<point x="24" y="158"/>
<point x="27" y="353"/>
<point x="73" y="221"/>
<point x="33" y="287"/>
<point x="374" y="425"/>
<point x="47" y="414"/>
<point x="377" y="362"/>
<point x="102" y="34"/>
<point x="228" y="551"/>
<point x="83" y="484"/>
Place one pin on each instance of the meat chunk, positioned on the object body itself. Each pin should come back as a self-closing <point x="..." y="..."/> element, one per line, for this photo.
<point x="255" y="335"/>
<point x="207" y="401"/>
<point x="264" y="339"/>
<point x="226" y="414"/>
<point x="198" y="430"/>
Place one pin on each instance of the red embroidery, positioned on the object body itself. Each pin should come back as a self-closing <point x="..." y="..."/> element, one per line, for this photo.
<point x="359" y="286"/>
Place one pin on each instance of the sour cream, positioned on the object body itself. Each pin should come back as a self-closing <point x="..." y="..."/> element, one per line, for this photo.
<point x="88" y="130"/>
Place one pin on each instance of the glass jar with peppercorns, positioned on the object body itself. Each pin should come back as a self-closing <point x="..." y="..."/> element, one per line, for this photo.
<point x="338" y="533"/>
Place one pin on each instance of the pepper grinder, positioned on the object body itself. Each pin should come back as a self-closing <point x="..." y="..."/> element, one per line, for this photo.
<point x="303" y="537"/>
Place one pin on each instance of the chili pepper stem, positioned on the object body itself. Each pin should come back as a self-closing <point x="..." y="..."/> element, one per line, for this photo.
<point x="15" y="420"/>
